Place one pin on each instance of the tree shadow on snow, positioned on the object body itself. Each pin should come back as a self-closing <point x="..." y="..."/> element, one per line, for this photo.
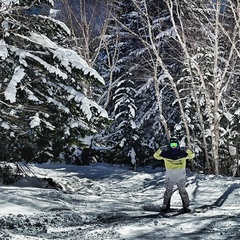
<point x="220" y="201"/>
<point x="153" y="182"/>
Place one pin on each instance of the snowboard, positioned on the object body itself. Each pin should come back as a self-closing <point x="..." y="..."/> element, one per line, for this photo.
<point x="156" y="208"/>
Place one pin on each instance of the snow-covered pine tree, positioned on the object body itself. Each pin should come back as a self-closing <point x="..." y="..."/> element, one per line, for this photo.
<point x="125" y="133"/>
<point x="119" y="99"/>
<point x="131" y="52"/>
<point x="43" y="107"/>
<point x="158" y="43"/>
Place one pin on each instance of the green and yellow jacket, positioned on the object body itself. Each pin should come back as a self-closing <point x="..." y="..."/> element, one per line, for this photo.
<point x="175" y="161"/>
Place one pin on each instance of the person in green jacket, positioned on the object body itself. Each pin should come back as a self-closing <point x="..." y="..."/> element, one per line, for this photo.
<point x="175" y="163"/>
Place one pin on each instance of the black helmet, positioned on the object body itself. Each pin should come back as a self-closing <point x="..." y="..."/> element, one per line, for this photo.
<point x="173" y="143"/>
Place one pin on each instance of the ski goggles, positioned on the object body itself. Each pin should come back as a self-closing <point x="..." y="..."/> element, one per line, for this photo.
<point x="173" y="144"/>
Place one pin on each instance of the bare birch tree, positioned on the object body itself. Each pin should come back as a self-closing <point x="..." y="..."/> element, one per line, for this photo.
<point x="212" y="78"/>
<point x="152" y="47"/>
<point x="211" y="57"/>
<point x="87" y="21"/>
<point x="110" y="46"/>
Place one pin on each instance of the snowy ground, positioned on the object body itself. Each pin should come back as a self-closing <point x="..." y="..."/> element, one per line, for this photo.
<point x="104" y="202"/>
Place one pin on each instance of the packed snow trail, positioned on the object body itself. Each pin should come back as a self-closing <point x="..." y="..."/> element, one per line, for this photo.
<point x="105" y="201"/>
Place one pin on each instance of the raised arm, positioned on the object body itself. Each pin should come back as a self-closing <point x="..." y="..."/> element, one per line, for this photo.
<point x="190" y="153"/>
<point x="157" y="154"/>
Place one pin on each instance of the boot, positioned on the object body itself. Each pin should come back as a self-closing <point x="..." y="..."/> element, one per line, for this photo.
<point x="186" y="209"/>
<point x="166" y="208"/>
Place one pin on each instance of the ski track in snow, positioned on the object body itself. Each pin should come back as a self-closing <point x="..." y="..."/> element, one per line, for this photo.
<point x="105" y="202"/>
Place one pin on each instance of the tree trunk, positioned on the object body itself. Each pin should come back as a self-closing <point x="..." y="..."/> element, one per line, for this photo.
<point x="215" y="135"/>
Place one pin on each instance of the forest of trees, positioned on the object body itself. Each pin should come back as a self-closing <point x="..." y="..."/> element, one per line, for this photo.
<point x="125" y="74"/>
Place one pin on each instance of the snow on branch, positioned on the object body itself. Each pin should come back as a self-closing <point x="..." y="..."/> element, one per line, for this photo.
<point x="68" y="58"/>
<point x="86" y="104"/>
<point x="5" y="4"/>
<point x="36" y="121"/>
<point x="169" y="33"/>
<point x="58" y="104"/>
<point x="3" y="50"/>
<point x="11" y="90"/>
<point x="50" y="68"/>
<point x="59" y="23"/>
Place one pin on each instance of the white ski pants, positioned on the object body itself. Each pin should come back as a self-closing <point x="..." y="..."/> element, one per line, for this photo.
<point x="169" y="191"/>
